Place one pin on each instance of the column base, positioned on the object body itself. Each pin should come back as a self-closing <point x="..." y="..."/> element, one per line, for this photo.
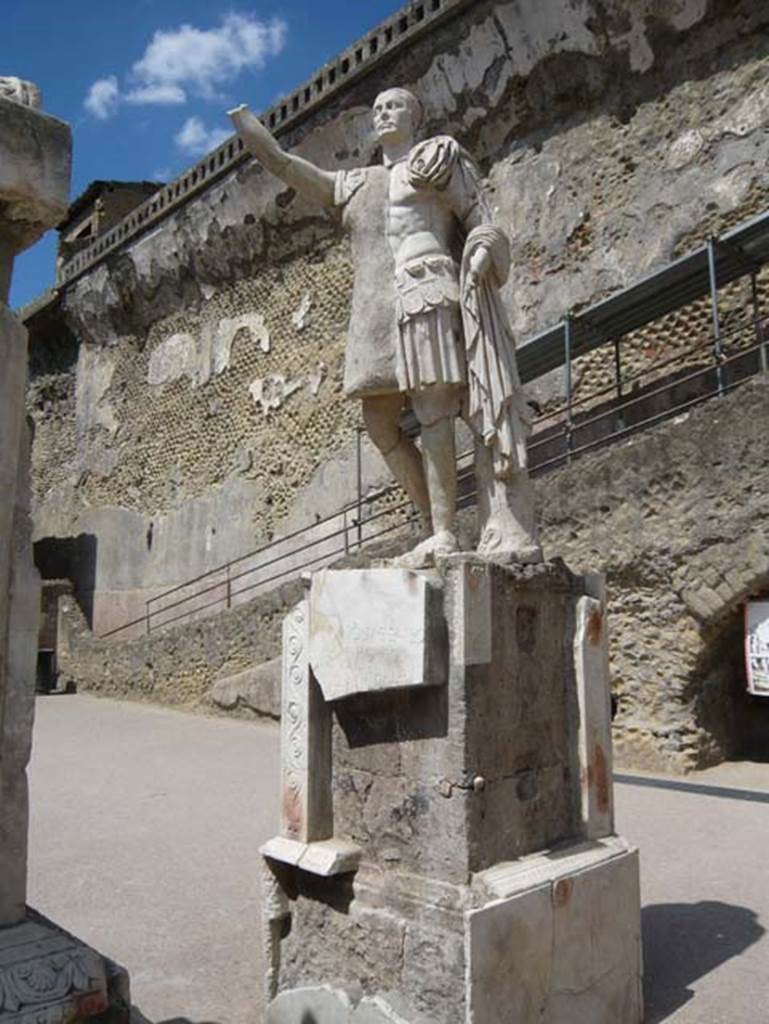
<point x="49" y="977"/>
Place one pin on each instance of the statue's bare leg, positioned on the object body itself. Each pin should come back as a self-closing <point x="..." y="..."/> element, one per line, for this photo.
<point x="381" y="415"/>
<point x="435" y="408"/>
<point x="440" y="462"/>
<point x="506" y="512"/>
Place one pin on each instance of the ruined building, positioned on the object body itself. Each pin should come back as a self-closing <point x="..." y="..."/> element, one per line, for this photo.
<point x="187" y="367"/>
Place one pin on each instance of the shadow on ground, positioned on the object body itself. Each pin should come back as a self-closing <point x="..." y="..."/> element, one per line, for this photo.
<point x="137" y="1017"/>
<point x="685" y="941"/>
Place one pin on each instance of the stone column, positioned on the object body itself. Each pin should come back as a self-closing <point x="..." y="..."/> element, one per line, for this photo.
<point x="7" y="254"/>
<point x="34" y="182"/>
<point x="46" y="975"/>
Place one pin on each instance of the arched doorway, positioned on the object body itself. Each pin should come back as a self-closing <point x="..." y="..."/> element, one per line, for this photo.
<point x="736" y="721"/>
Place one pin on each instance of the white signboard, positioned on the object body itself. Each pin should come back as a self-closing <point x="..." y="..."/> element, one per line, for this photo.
<point x="757" y="647"/>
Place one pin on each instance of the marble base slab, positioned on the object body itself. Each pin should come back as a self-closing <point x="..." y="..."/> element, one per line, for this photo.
<point x="324" y="1004"/>
<point x="49" y="977"/>
<point x="563" y="943"/>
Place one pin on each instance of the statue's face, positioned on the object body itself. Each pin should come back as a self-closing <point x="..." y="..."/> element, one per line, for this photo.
<point x="393" y="117"/>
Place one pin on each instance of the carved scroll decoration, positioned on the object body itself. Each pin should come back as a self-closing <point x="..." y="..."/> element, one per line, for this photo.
<point x="295" y="682"/>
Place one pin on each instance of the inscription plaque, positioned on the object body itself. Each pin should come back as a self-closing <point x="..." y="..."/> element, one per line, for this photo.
<point x="370" y="629"/>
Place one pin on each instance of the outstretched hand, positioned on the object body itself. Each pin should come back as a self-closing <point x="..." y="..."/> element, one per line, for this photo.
<point x="249" y="127"/>
<point x="312" y="182"/>
<point x="236" y="114"/>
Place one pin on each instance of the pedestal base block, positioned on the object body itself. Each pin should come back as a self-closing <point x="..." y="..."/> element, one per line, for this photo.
<point x="563" y="943"/>
<point x="324" y="1004"/>
<point x="321" y="1004"/>
<point x="553" y="938"/>
<point x="48" y="977"/>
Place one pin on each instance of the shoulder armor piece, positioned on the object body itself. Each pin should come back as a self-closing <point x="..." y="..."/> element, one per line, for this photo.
<point x="431" y="163"/>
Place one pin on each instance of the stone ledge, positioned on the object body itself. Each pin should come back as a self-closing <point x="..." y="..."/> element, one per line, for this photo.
<point x="511" y="877"/>
<point x="327" y="857"/>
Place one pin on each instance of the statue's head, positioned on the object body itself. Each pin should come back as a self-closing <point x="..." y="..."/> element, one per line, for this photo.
<point x="397" y="115"/>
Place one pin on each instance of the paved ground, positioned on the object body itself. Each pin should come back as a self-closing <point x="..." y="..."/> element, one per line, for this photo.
<point x="146" y="822"/>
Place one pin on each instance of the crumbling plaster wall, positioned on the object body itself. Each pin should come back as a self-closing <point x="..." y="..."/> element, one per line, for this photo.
<point x="614" y="134"/>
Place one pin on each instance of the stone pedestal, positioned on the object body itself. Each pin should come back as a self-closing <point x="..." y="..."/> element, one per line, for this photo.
<point x="46" y="976"/>
<point x="470" y="788"/>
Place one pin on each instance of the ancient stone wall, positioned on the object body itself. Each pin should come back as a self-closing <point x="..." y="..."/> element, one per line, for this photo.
<point x="207" y="397"/>
<point x="178" y="667"/>
<point x="677" y="519"/>
<point x="229" y="388"/>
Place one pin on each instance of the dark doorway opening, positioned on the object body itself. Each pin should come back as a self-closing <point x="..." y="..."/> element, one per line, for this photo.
<point x="46" y="671"/>
<point x="74" y="559"/>
<point x="737" y="721"/>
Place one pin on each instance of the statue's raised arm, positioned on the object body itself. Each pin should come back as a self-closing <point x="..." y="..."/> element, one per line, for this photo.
<point x="310" y="181"/>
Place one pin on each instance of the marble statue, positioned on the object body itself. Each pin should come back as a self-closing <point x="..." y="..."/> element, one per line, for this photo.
<point x="427" y="325"/>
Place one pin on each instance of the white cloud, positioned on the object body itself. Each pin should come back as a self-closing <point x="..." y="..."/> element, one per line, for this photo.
<point x="195" y="139"/>
<point x="103" y="97"/>
<point x="187" y="60"/>
<point x="202" y="60"/>
<point x="162" y="94"/>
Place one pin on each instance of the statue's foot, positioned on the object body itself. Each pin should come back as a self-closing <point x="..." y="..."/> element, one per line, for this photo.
<point x="423" y="556"/>
<point x="500" y="546"/>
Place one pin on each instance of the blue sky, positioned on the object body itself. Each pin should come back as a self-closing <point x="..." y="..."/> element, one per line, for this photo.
<point x="145" y="84"/>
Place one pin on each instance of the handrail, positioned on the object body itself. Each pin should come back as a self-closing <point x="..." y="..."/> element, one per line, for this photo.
<point x="291" y="563"/>
<point x="564" y="423"/>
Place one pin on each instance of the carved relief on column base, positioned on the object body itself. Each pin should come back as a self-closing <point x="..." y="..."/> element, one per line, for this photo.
<point x="48" y="977"/>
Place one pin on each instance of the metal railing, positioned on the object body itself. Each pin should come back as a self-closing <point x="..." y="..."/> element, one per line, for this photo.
<point x="559" y="436"/>
<point x="603" y="424"/>
<point x="571" y="429"/>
